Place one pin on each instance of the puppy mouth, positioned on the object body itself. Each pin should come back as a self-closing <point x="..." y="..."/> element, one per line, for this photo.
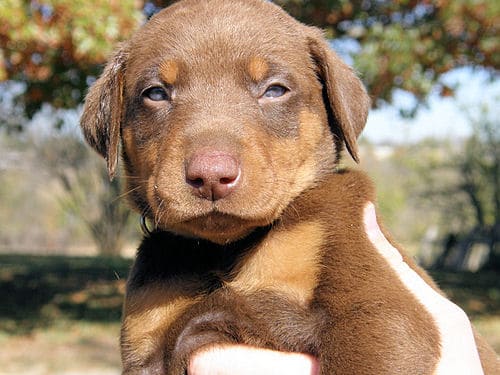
<point x="176" y="210"/>
<point x="217" y="218"/>
<point x="216" y="221"/>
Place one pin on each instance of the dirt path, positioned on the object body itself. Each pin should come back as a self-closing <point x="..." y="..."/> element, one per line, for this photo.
<point x="76" y="348"/>
<point x="71" y="349"/>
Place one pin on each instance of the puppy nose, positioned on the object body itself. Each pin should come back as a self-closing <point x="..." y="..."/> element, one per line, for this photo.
<point x="213" y="175"/>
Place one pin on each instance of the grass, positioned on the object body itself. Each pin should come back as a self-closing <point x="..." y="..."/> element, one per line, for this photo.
<point x="38" y="291"/>
<point x="67" y="347"/>
<point x="61" y="315"/>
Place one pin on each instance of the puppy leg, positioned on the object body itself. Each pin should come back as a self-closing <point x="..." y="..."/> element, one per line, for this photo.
<point x="264" y="320"/>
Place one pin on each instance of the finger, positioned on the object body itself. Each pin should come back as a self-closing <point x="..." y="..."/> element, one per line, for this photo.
<point x="245" y="360"/>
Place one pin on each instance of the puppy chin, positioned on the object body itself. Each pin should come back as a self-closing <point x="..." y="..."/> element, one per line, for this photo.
<point x="217" y="228"/>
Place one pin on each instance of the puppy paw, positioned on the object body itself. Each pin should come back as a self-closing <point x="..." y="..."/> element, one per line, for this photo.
<point x="209" y="329"/>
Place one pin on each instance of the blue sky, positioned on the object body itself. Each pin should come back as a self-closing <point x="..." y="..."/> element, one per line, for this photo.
<point x="443" y="118"/>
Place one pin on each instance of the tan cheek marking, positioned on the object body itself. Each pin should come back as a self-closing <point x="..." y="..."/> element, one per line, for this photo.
<point x="128" y="143"/>
<point x="311" y="130"/>
<point x="147" y="158"/>
<point x="257" y="68"/>
<point x="146" y="316"/>
<point x="310" y="137"/>
<point x="287" y="262"/>
<point x="169" y="71"/>
<point x="142" y="158"/>
<point x="304" y="161"/>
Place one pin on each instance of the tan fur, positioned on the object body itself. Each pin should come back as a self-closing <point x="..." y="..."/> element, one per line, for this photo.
<point x="258" y="68"/>
<point x="169" y="71"/>
<point x="147" y="314"/>
<point x="284" y="264"/>
<point x="141" y="328"/>
<point x="311" y="130"/>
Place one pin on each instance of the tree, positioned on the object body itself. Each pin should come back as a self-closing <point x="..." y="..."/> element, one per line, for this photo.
<point x="463" y="182"/>
<point x="479" y="168"/>
<point x="409" y="44"/>
<point x="87" y="192"/>
<point x="56" y="48"/>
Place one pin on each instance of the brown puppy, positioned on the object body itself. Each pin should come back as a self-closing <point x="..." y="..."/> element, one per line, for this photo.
<point x="231" y="116"/>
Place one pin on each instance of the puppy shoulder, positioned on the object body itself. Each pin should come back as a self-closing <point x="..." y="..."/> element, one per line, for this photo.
<point x="350" y="185"/>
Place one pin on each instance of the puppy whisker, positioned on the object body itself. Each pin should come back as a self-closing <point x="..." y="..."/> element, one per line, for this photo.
<point x="126" y="193"/>
<point x="159" y="213"/>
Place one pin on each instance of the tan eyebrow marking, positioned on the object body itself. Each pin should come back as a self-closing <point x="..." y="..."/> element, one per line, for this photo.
<point x="169" y="71"/>
<point x="258" y="68"/>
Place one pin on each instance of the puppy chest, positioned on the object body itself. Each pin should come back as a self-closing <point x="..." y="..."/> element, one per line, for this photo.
<point x="286" y="262"/>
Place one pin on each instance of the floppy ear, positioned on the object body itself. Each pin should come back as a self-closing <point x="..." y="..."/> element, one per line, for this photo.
<point x="102" y="112"/>
<point x="343" y="92"/>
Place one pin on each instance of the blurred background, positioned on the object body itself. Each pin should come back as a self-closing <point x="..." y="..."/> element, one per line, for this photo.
<point x="432" y="145"/>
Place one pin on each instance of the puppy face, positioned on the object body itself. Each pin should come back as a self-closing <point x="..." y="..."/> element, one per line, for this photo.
<point x="227" y="110"/>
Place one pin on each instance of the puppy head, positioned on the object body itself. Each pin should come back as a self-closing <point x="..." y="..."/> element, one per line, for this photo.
<point x="226" y="110"/>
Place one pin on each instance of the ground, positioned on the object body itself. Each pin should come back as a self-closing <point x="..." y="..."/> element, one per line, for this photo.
<point x="60" y="315"/>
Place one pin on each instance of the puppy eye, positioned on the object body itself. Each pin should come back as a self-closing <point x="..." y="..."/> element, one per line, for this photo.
<point x="275" y="91"/>
<point x="156" y="94"/>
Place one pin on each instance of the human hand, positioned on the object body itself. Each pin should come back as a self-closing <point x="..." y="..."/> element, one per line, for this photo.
<point x="458" y="355"/>
<point x="246" y="360"/>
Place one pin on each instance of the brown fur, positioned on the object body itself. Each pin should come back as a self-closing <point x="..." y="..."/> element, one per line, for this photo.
<point x="279" y="257"/>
